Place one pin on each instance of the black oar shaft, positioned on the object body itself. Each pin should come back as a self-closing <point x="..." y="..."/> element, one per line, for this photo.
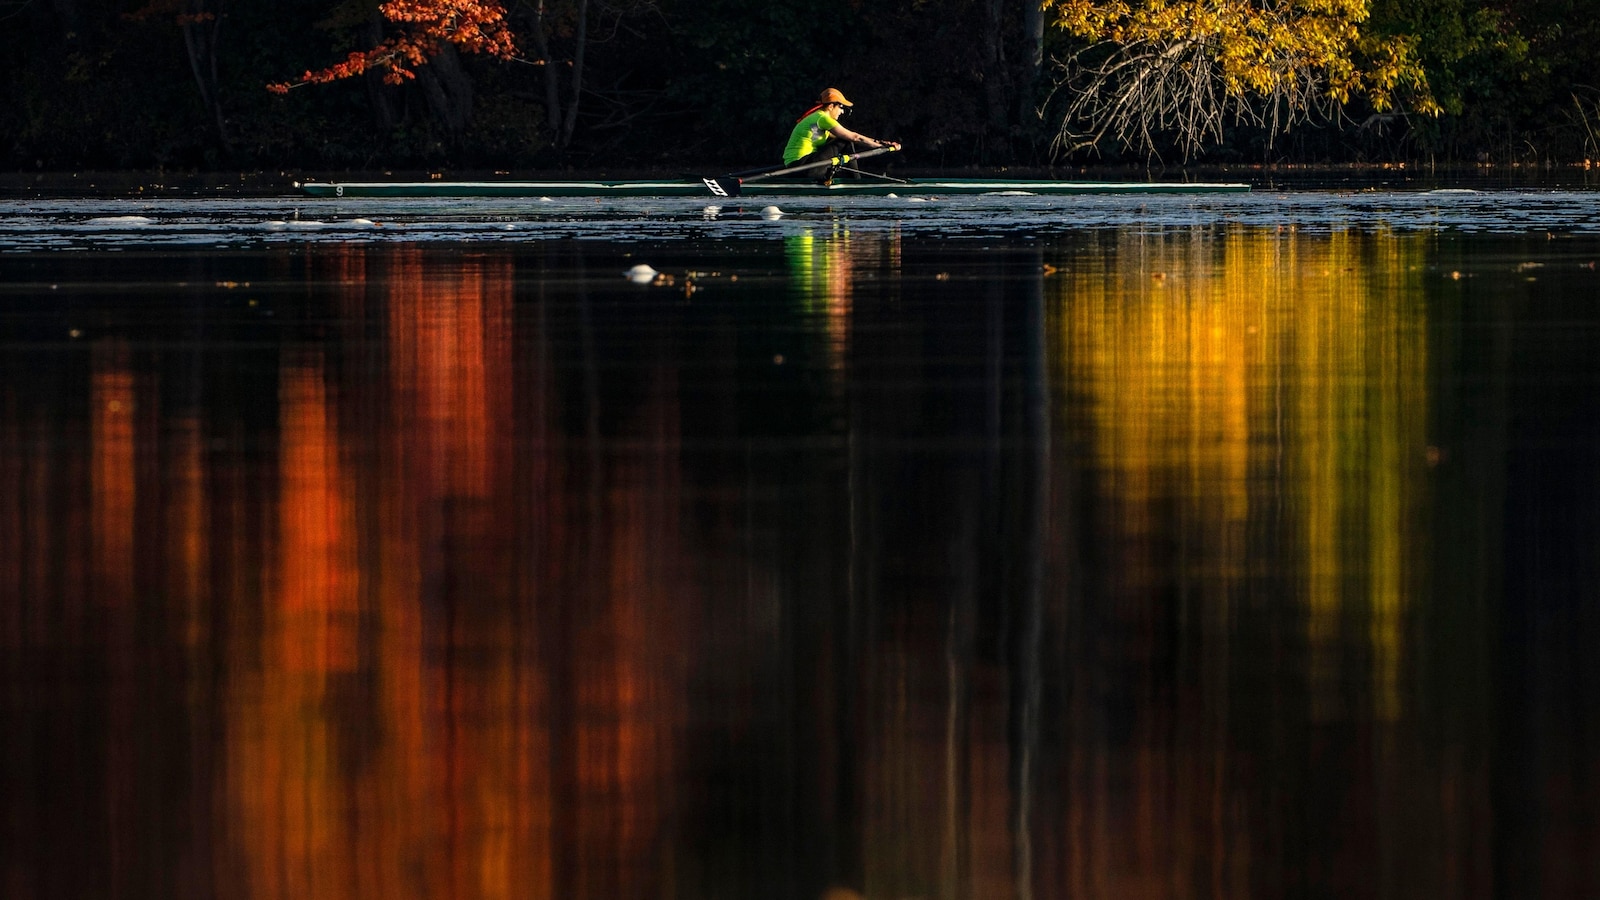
<point x="839" y="160"/>
<point x="729" y="185"/>
<point x="863" y="172"/>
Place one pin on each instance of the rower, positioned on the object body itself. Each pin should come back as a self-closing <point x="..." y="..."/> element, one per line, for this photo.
<point x="818" y="134"/>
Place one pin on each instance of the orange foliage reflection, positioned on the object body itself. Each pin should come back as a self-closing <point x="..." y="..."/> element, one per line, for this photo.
<point x="454" y="616"/>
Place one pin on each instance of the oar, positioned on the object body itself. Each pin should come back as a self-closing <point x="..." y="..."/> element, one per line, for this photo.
<point x="731" y="185"/>
<point x="862" y="172"/>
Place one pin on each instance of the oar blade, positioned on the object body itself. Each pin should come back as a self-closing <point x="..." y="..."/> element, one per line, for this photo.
<point x="726" y="186"/>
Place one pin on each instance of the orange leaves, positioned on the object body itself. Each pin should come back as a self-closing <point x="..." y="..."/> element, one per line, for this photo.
<point x="473" y="26"/>
<point x="354" y="64"/>
<point x="428" y="26"/>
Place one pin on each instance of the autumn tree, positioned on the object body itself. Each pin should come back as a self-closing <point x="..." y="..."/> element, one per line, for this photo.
<point x="428" y="36"/>
<point x="427" y="33"/>
<point x="427" y="29"/>
<point x="1175" y="72"/>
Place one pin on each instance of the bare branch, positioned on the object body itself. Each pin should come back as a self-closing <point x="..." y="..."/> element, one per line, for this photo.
<point x="1178" y="72"/>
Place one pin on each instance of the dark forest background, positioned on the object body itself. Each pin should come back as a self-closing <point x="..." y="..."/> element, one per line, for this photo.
<point x="654" y="84"/>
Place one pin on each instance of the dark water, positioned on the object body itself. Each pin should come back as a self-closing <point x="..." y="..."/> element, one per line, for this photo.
<point x="1205" y="549"/>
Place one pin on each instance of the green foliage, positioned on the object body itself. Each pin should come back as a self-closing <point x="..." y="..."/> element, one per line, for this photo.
<point x="1465" y="48"/>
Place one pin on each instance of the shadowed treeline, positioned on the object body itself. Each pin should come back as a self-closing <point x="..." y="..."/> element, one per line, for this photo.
<point x="676" y="85"/>
<point x="1157" y="563"/>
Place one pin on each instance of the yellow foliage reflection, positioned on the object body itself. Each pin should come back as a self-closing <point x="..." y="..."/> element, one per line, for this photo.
<point x="1274" y="387"/>
<point x="1252" y="401"/>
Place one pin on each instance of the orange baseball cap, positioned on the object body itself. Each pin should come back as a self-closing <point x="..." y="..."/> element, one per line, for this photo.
<point x="832" y="95"/>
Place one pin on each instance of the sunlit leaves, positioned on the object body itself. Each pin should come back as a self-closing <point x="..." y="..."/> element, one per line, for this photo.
<point x="427" y="27"/>
<point x="1177" y="70"/>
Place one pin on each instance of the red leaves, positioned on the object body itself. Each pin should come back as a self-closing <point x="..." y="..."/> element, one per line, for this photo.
<point x="472" y="26"/>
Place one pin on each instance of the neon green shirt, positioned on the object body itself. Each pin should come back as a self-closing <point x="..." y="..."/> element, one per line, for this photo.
<point x="809" y="134"/>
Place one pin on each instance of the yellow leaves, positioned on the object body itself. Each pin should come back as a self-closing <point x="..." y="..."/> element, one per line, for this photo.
<point x="1183" y="63"/>
<point x="1087" y="18"/>
<point x="1256" y="44"/>
<point x="1391" y="66"/>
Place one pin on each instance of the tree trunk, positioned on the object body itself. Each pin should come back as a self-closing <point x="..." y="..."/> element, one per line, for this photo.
<point x="1033" y="64"/>
<point x="448" y="88"/>
<point x="71" y="21"/>
<point x="996" y="79"/>
<point x="200" y="26"/>
<point x="571" y="123"/>
<point x="379" y="94"/>
<point x="994" y="61"/>
<point x="552" y="74"/>
<point x="561" y="116"/>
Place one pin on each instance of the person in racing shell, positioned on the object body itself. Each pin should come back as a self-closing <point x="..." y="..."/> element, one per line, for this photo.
<point x="818" y="135"/>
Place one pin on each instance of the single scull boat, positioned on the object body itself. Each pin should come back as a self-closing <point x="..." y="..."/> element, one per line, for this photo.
<point x="915" y="187"/>
<point x="759" y="182"/>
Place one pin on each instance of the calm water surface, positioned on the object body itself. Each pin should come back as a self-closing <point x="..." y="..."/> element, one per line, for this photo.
<point x="1168" y="548"/>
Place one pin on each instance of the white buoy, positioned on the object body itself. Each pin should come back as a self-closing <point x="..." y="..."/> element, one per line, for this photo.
<point x="641" y="274"/>
<point x="771" y="212"/>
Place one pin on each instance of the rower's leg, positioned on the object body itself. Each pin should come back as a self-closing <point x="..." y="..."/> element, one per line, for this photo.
<point x="826" y="151"/>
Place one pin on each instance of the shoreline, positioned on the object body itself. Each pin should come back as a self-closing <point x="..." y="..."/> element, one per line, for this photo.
<point x="134" y="184"/>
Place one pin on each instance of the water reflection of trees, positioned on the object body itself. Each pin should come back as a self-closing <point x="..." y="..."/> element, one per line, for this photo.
<point x="1101" y="568"/>
<point x="1252" y="410"/>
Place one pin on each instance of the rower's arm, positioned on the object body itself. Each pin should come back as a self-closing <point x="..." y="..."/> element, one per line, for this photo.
<point x="849" y="135"/>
